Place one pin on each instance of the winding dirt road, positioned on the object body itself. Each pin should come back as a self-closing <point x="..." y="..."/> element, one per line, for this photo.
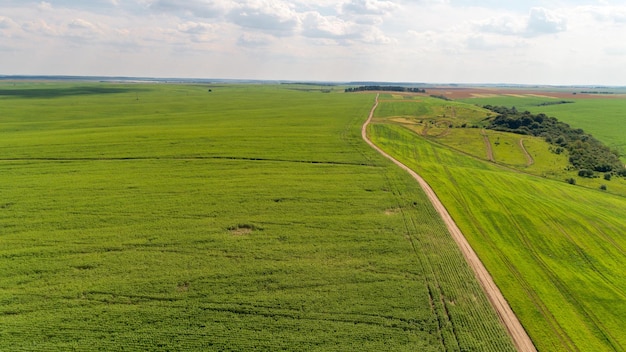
<point x="510" y="321"/>
<point x="529" y="158"/>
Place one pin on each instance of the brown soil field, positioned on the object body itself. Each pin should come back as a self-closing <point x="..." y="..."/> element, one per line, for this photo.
<point x="469" y="92"/>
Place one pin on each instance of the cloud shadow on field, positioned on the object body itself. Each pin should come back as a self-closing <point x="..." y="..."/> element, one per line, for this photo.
<point x="63" y="92"/>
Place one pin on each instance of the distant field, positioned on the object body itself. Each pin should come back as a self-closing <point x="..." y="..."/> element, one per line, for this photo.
<point x="555" y="250"/>
<point x="167" y="217"/>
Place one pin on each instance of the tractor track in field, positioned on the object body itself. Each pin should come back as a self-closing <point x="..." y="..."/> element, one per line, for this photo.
<point x="180" y="158"/>
<point x="515" y="329"/>
<point x="487" y="146"/>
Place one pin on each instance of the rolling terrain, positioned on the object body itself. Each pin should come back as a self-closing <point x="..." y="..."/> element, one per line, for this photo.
<point x="555" y="250"/>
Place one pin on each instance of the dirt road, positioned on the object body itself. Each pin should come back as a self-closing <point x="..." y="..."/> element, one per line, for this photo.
<point x="529" y="158"/>
<point x="510" y="321"/>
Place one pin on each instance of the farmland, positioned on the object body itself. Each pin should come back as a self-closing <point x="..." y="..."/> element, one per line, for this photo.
<point x="555" y="250"/>
<point x="168" y="217"/>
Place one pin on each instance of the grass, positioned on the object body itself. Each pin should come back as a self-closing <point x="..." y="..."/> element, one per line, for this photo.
<point x="165" y="217"/>
<point x="555" y="250"/>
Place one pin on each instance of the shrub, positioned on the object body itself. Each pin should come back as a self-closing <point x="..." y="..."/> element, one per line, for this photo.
<point x="571" y="181"/>
<point x="585" y="173"/>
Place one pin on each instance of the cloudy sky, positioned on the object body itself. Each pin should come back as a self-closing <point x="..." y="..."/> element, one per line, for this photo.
<point x="435" y="41"/>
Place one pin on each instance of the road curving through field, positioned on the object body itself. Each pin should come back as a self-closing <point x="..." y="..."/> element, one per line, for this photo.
<point x="519" y="336"/>
<point x="529" y="158"/>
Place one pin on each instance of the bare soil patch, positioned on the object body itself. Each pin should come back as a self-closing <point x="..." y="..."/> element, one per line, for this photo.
<point x="392" y="211"/>
<point x="242" y="229"/>
<point x="487" y="92"/>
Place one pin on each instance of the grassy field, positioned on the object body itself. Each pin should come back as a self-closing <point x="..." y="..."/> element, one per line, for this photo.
<point x="168" y="217"/>
<point x="557" y="251"/>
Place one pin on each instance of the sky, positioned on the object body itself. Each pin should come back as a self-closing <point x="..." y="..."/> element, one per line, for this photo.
<point x="432" y="41"/>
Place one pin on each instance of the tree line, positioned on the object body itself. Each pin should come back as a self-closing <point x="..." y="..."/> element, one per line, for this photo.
<point x="385" y="89"/>
<point x="585" y="152"/>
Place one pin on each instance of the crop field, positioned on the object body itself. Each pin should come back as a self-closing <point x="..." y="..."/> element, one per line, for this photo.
<point x="557" y="251"/>
<point x="171" y="217"/>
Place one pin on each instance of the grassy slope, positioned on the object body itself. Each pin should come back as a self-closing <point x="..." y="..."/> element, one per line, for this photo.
<point x="440" y="120"/>
<point x="117" y="200"/>
<point x="603" y="118"/>
<point x="556" y="251"/>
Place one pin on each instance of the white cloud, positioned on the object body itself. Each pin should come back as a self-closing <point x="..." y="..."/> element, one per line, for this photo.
<point x="543" y="21"/>
<point x="82" y="24"/>
<point x="506" y="25"/>
<point x="255" y="40"/>
<point x="191" y="8"/>
<point x="317" y="26"/>
<point x="342" y="31"/>
<point x="40" y="27"/>
<point x="44" y="6"/>
<point x="491" y="43"/>
<point x="540" y="21"/>
<point x="267" y="15"/>
<point x="7" y="23"/>
<point x="604" y="14"/>
<point x="196" y="27"/>
<point x="369" y="7"/>
<point x="199" y="31"/>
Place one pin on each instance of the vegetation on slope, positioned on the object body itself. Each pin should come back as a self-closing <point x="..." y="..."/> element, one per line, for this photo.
<point x="604" y="118"/>
<point x="585" y="152"/>
<point x="463" y="127"/>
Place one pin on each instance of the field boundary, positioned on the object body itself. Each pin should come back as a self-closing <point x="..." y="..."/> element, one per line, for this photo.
<point x="515" y="329"/>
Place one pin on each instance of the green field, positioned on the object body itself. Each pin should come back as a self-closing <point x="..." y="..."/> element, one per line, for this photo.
<point x="167" y="217"/>
<point x="557" y="251"/>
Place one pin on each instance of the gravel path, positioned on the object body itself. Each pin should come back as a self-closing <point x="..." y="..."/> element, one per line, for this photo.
<point x="508" y="318"/>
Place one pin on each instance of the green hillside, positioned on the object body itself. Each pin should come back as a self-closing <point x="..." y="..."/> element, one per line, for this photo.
<point x="555" y="250"/>
<point x="603" y="118"/>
